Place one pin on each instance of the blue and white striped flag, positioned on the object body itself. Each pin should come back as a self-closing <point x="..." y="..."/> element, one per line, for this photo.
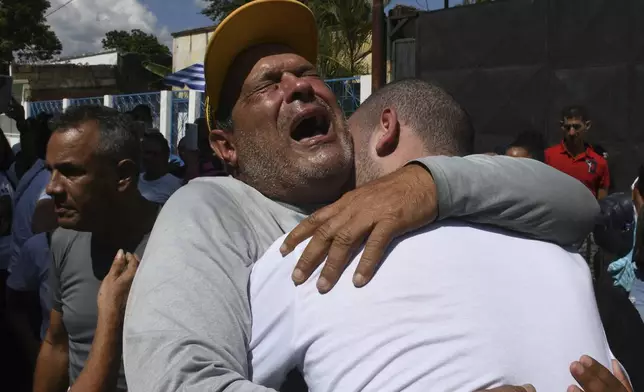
<point x="191" y="77"/>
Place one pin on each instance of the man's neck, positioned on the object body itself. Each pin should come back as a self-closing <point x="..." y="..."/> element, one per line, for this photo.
<point x="129" y="222"/>
<point x="575" y="148"/>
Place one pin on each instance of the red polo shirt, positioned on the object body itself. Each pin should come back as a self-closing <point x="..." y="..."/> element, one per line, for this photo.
<point x="588" y="167"/>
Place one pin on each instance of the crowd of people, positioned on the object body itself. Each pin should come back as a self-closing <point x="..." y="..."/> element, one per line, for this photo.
<point x="293" y="249"/>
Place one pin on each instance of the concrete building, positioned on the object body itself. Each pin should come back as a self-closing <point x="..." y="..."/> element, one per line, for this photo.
<point x="189" y="46"/>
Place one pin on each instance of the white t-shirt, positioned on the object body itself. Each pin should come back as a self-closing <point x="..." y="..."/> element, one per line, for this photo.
<point x="32" y="272"/>
<point x="452" y="308"/>
<point x="159" y="190"/>
<point x="28" y="193"/>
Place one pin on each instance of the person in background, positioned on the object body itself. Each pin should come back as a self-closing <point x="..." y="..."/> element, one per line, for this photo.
<point x="203" y="162"/>
<point x="528" y="144"/>
<point x="30" y="206"/>
<point x="156" y="183"/>
<point x="575" y="157"/>
<point x="614" y="234"/>
<point x="28" y="296"/>
<point x="178" y="164"/>
<point x="637" y="289"/>
<point x="143" y="113"/>
<point x="93" y="157"/>
<point x="6" y="208"/>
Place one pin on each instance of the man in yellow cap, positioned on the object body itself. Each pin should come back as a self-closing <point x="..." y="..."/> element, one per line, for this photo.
<point x="283" y="137"/>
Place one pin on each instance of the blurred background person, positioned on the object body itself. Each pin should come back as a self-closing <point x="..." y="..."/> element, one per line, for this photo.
<point x="529" y="144"/>
<point x="6" y="207"/>
<point x="142" y="113"/>
<point x="156" y="183"/>
<point x="202" y="162"/>
<point x="577" y="158"/>
<point x="614" y="278"/>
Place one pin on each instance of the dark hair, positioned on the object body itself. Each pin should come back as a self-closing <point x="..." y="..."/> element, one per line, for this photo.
<point x="575" y="111"/>
<point x="38" y="131"/>
<point x="201" y="123"/>
<point x="158" y="138"/>
<point x="118" y="140"/>
<point x="7" y="152"/>
<point x="533" y="142"/>
<point x="142" y="112"/>
<point x="430" y="111"/>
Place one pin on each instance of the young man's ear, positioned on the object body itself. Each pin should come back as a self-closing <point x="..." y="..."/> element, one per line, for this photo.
<point x="588" y="124"/>
<point x="389" y="132"/>
<point x="222" y="144"/>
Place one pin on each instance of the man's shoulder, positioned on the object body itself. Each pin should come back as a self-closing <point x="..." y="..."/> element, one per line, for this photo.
<point x="218" y="190"/>
<point x="601" y="161"/>
<point x="63" y="240"/>
<point x="555" y="149"/>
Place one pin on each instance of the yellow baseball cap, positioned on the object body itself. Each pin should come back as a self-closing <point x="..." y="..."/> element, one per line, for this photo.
<point x="286" y="22"/>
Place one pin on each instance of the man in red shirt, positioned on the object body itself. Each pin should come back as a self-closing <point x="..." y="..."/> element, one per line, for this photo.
<point x="576" y="158"/>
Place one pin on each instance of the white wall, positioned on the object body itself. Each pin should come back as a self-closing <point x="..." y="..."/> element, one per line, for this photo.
<point x="365" y="87"/>
<point x="188" y="50"/>
<point x="95" y="59"/>
<point x="9" y="128"/>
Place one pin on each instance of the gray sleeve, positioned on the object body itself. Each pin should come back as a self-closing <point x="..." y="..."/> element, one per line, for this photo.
<point x="187" y="323"/>
<point x="521" y="195"/>
<point x="58" y="245"/>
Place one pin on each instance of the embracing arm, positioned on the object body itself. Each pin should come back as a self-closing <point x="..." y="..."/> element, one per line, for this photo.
<point x="187" y="323"/>
<point x="522" y="195"/>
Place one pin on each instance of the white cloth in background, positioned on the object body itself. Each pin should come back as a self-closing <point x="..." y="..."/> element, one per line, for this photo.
<point x="32" y="272"/>
<point x="452" y="308"/>
<point x="159" y="190"/>
<point x="28" y="192"/>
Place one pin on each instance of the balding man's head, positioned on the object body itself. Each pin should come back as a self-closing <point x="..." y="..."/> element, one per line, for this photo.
<point x="406" y="120"/>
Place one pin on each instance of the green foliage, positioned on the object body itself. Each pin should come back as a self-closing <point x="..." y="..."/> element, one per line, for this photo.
<point x="24" y="33"/>
<point x="219" y="9"/>
<point x="157" y="69"/>
<point x="344" y="32"/>
<point x="135" y="41"/>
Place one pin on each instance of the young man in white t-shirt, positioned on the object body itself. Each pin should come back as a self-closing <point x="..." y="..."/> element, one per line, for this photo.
<point x="456" y="309"/>
<point x="155" y="183"/>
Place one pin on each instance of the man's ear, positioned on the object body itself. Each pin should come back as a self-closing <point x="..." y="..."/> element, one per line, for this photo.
<point x="127" y="171"/>
<point x="222" y="144"/>
<point x="589" y="124"/>
<point x="388" y="132"/>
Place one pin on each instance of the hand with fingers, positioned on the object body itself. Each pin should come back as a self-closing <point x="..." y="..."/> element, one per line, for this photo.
<point x="593" y="377"/>
<point x="115" y="288"/>
<point x="378" y="212"/>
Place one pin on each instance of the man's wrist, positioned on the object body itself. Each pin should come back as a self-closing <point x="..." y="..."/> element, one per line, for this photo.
<point x="110" y="319"/>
